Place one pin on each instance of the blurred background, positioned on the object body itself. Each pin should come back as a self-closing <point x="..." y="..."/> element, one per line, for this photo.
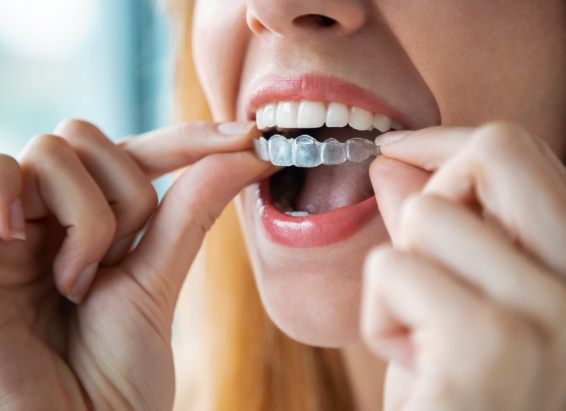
<point x="106" y="61"/>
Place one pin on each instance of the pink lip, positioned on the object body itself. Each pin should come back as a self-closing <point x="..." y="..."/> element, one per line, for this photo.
<point x="315" y="230"/>
<point x="331" y="227"/>
<point x="316" y="87"/>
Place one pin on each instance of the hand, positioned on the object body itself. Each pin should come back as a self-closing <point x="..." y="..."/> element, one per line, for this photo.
<point x="80" y="200"/>
<point x="469" y="304"/>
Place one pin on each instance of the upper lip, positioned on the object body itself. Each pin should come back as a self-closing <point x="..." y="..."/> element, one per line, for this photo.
<point x="318" y="87"/>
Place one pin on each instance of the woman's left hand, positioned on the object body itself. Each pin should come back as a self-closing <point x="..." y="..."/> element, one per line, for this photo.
<point x="469" y="303"/>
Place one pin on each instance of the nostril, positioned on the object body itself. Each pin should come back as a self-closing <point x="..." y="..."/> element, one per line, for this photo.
<point x="314" y="20"/>
<point x="323" y="20"/>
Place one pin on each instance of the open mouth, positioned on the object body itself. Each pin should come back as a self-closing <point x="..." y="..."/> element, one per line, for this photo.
<point x="299" y="192"/>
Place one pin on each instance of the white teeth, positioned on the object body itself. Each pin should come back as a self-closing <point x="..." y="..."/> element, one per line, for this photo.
<point x="337" y="115"/>
<point x="312" y="114"/>
<point x="268" y="114"/>
<point x="259" y="119"/>
<point x="315" y="114"/>
<point x="360" y="119"/>
<point x="297" y="213"/>
<point x="382" y="123"/>
<point x="287" y="114"/>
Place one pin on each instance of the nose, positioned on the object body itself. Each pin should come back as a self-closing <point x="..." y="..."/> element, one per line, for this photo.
<point x="300" y="18"/>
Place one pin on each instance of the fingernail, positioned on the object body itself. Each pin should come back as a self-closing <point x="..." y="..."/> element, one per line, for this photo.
<point x="235" y="128"/>
<point x="17" y="222"/>
<point x="391" y="137"/>
<point x="82" y="284"/>
<point x="118" y="250"/>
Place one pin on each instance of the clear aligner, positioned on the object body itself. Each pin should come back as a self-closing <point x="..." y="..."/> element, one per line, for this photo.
<point x="306" y="151"/>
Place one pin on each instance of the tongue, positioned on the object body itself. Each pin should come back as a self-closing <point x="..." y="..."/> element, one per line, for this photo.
<point x="329" y="187"/>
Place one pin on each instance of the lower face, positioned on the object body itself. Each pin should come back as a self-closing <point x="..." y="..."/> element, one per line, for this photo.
<point x="311" y="292"/>
<point x="436" y="65"/>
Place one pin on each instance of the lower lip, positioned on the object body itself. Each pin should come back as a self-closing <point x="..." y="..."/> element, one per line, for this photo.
<point x="315" y="230"/>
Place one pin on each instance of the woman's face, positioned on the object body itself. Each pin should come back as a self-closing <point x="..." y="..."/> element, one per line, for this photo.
<point x="423" y="63"/>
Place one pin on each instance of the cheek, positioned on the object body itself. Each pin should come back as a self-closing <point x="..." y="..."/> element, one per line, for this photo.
<point x="493" y="43"/>
<point x="219" y="41"/>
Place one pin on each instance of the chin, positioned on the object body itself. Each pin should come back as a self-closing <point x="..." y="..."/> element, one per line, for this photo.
<point x="312" y="293"/>
<point x="310" y="310"/>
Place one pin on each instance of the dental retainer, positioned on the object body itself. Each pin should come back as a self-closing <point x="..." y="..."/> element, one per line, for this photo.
<point x="306" y="151"/>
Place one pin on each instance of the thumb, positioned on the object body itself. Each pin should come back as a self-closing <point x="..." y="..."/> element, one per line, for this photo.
<point x="164" y="255"/>
<point x="393" y="182"/>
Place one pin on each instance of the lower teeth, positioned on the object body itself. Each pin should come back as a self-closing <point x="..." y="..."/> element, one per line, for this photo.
<point x="297" y="213"/>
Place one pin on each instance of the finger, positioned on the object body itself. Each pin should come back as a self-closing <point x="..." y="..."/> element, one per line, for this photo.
<point x="445" y="323"/>
<point x="516" y="182"/>
<point x="515" y="177"/>
<point x="484" y="259"/>
<point x="164" y="255"/>
<point x="432" y="147"/>
<point x="62" y="187"/>
<point x="404" y="295"/>
<point x="12" y="223"/>
<point x="393" y="182"/>
<point x="128" y="191"/>
<point x="428" y="148"/>
<point x="162" y="151"/>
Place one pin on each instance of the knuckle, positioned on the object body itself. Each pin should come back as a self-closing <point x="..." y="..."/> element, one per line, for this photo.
<point x="499" y="138"/>
<point x="416" y="212"/>
<point x="47" y="145"/>
<point x="10" y="177"/>
<point x="9" y="167"/>
<point x="73" y="128"/>
<point x="147" y="199"/>
<point x="8" y="162"/>
<point x="139" y="206"/>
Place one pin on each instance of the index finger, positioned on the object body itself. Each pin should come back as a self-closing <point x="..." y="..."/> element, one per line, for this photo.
<point x="428" y="148"/>
<point x="164" y="150"/>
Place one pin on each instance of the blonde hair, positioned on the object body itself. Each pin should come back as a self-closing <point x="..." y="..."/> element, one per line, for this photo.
<point x="255" y="367"/>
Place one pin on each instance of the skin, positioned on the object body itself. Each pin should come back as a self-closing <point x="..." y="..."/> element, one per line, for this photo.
<point x="464" y="297"/>
<point x="441" y="63"/>
<point x="77" y="197"/>
<point x="426" y="77"/>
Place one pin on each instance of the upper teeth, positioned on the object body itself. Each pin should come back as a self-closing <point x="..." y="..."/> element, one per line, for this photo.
<point x="315" y="114"/>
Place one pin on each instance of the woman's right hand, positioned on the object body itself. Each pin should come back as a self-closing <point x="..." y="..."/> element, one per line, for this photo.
<point x="80" y="201"/>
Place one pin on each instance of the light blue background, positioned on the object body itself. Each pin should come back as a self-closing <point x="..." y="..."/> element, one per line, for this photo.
<point x="107" y="61"/>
